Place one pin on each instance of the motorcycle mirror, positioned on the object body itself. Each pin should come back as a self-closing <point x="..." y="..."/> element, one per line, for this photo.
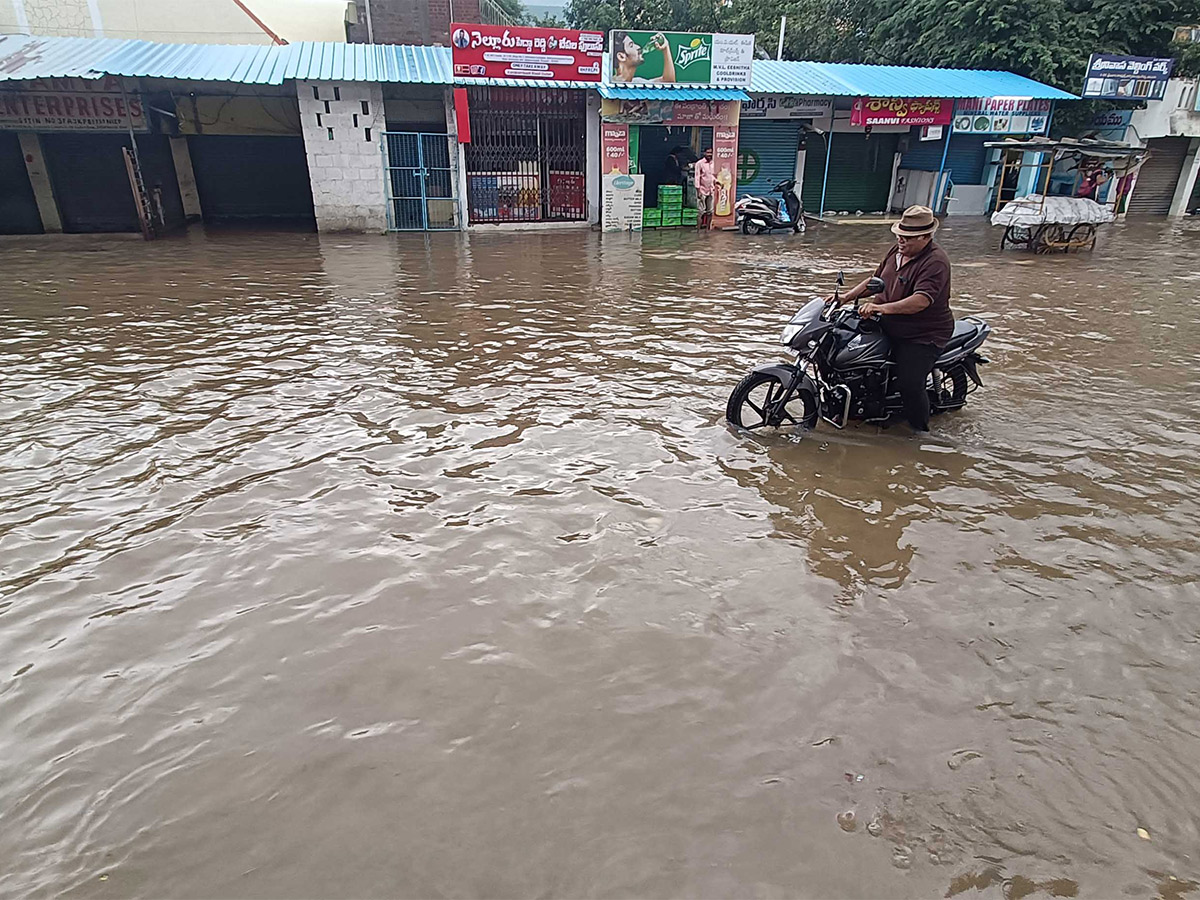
<point x="841" y="278"/>
<point x="875" y="286"/>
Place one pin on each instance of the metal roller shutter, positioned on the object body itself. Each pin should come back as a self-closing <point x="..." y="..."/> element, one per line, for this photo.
<point x="965" y="161"/>
<point x="91" y="186"/>
<point x="1157" y="179"/>
<point x="245" y="177"/>
<point x="860" y="172"/>
<point x="18" y="207"/>
<point x="768" y="150"/>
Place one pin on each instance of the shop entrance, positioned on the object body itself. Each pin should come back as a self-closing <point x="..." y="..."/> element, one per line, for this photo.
<point x="655" y="142"/>
<point x="525" y="162"/>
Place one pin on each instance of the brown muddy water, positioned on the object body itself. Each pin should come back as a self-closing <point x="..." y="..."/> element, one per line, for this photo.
<point x="424" y="566"/>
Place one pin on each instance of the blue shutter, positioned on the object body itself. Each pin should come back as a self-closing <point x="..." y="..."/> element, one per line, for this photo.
<point x="965" y="161"/>
<point x="774" y="145"/>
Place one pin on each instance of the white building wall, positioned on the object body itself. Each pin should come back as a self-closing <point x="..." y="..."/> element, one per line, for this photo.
<point x="1173" y="116"/>
<point x="343" y="124"/>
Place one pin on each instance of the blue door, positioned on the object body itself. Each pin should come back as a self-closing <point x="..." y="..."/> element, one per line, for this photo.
<point x="420" y="182"/>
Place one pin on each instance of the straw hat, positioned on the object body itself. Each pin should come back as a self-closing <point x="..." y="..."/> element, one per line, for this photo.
<point x="917" y="220"/>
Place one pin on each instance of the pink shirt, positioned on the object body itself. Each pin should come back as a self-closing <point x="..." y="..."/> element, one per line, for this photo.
<point x="705" y="177"/>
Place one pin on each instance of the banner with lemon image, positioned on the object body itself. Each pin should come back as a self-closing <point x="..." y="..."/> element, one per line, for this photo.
<point x="671" y="57"/>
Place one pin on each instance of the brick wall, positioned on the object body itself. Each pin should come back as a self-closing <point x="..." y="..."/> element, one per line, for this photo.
<point x="411" y="21"/>
<point x="342" y="124"/>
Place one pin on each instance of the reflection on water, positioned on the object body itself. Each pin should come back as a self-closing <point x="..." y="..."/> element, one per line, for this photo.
<point x="424" y="565"/>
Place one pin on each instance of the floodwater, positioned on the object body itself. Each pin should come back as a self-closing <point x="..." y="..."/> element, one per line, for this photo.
<point x="424" y="566"/>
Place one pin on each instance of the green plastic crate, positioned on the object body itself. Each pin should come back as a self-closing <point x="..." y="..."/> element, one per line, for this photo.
<point x="671" y="221"/>
<point x="691" y="217"/>
<point x="651" y="216"/>
<point x="670" y="190"/>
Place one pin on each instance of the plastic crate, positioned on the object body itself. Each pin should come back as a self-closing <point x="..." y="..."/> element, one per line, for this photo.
<point x="691" y="217"/>
<point x="671" y="221"/>
<point x="670" y="190"/>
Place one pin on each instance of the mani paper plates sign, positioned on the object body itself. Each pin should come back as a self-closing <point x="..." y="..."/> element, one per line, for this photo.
<point x="673" y="57"/>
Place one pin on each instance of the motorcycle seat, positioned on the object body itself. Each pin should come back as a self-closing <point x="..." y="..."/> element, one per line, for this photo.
<point x="963" y="332"/>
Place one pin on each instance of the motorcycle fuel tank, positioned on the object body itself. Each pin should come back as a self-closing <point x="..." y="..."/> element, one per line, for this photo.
<point x="861" y="349"/>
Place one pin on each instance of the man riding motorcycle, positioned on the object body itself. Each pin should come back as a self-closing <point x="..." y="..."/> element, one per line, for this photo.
<point x="914" y="307"/>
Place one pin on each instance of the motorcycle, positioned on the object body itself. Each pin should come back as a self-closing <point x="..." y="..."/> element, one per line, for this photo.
<point x="844" y="371"/>
<point x="758" y="215"/>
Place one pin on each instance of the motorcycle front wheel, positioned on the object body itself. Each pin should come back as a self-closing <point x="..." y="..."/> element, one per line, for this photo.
<point x="753" y="405"/>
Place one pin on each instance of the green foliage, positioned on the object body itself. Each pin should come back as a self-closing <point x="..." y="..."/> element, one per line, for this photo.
<point x="1049" y="40"/>
<point x="1187" y="58"/>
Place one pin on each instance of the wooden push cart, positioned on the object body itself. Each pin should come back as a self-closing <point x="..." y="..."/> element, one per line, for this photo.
<point x="1063" y="223"/>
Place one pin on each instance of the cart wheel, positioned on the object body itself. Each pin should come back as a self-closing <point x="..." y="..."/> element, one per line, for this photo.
<point x="1050" y="238"/>
<point x="1015" y="236"/>
<point x="1082" y="237"/>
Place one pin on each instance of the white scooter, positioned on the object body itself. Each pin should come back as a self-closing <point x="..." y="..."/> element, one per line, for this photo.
<point x="758" y="215"/>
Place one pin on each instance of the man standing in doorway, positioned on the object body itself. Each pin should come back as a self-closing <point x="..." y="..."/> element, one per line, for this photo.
<point x="914" y="307"/>
<point x="706" y="182"/>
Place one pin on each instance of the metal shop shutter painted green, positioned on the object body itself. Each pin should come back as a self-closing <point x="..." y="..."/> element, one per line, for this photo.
<point x="766" y="150"/>
<point x="860" y="172"/>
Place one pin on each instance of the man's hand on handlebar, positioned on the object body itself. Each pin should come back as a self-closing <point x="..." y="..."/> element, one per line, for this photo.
<point x="867" y="310"/>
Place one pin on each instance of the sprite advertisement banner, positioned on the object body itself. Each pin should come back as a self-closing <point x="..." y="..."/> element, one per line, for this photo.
<point x="670" y="57"/>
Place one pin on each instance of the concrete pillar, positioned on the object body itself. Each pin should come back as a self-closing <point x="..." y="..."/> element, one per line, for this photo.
<point x="343" y="123"/>
<point x="456" y="167"/>
<point x="39" y="178"/>
<point x="186" y="177"/>
<point x="1187" y="180"/>
<point x="592" y="180"/>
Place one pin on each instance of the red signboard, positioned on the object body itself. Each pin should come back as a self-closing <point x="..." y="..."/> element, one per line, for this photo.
<point x="546" y="54"/>
<point x="901" y="111"/>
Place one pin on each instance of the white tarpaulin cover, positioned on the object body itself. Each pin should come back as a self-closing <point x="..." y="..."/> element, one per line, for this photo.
<point x="1059" y="210"/>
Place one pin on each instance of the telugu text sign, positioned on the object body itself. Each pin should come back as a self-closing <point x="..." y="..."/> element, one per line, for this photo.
<point x="901" y="111"/>
<point x="545" y="54"/>
<point x="1111" y="77"/>
<point x="784" y="106"/>
<point x="623" y="202"/>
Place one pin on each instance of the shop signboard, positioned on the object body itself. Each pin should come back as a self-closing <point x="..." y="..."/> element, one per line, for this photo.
<point x="785" y="106"/>
<point x="1001" y="115"/>
<point x="669" y="57"/>
<point x="544" y="54"/>
<point x="72" y="104"/>
<point x="614" y="141"/>
<point x="1112" y="77"/>
<point x="675" y="112"/>
<point x="1110" y="125"/>
<point x="623" y="202"/>
<point x="901" y="111"/>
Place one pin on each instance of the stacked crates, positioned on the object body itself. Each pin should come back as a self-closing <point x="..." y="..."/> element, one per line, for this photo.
<point x="670" y="202"/>
<point x="651" y="218"/>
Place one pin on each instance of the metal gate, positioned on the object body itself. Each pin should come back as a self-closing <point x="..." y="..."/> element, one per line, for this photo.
<point x="526" y="160"/>
<point x="420" y="182"/>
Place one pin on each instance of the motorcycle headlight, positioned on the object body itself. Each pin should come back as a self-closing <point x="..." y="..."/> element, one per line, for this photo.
<point x="790" y="330"/>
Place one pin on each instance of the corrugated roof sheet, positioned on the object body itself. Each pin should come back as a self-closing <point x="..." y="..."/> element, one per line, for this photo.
<point x="394" y="63"/>
<point x="670" y="92"/>
<point x="25" y="56"/>
<point x="787" y="76"/>
<point x="918" y="81"/>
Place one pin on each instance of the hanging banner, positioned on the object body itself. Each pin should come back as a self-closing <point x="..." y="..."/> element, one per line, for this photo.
<point x="1112" y="77"/>
<point x="544" y="54"/>
<point x="901" y="111"/>
<point x="614" y="142"/>
<point x="623" y="202"/>
<point x="462" y="116"/>
<point x="725" y="140"/>
<point x="784" y="106"/>
<point x="669" y="57"/>
<point x="1001" y="115"/>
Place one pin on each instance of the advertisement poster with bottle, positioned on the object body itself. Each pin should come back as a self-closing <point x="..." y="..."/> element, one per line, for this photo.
<point x="725" y="140"/>
<point x="671" y="57"/>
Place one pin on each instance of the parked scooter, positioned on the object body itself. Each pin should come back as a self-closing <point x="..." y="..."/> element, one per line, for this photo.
<point x="758" y="215"/>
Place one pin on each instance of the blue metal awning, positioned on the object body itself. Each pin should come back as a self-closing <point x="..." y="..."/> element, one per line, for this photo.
<point x="669" y="92"/>
<point x="856" y="80"/>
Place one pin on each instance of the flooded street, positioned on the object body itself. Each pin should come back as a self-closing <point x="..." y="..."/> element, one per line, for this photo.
<point x="424" y="566"/>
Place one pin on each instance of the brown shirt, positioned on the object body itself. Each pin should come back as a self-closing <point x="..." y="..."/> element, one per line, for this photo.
<point x="928" y="273"/>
